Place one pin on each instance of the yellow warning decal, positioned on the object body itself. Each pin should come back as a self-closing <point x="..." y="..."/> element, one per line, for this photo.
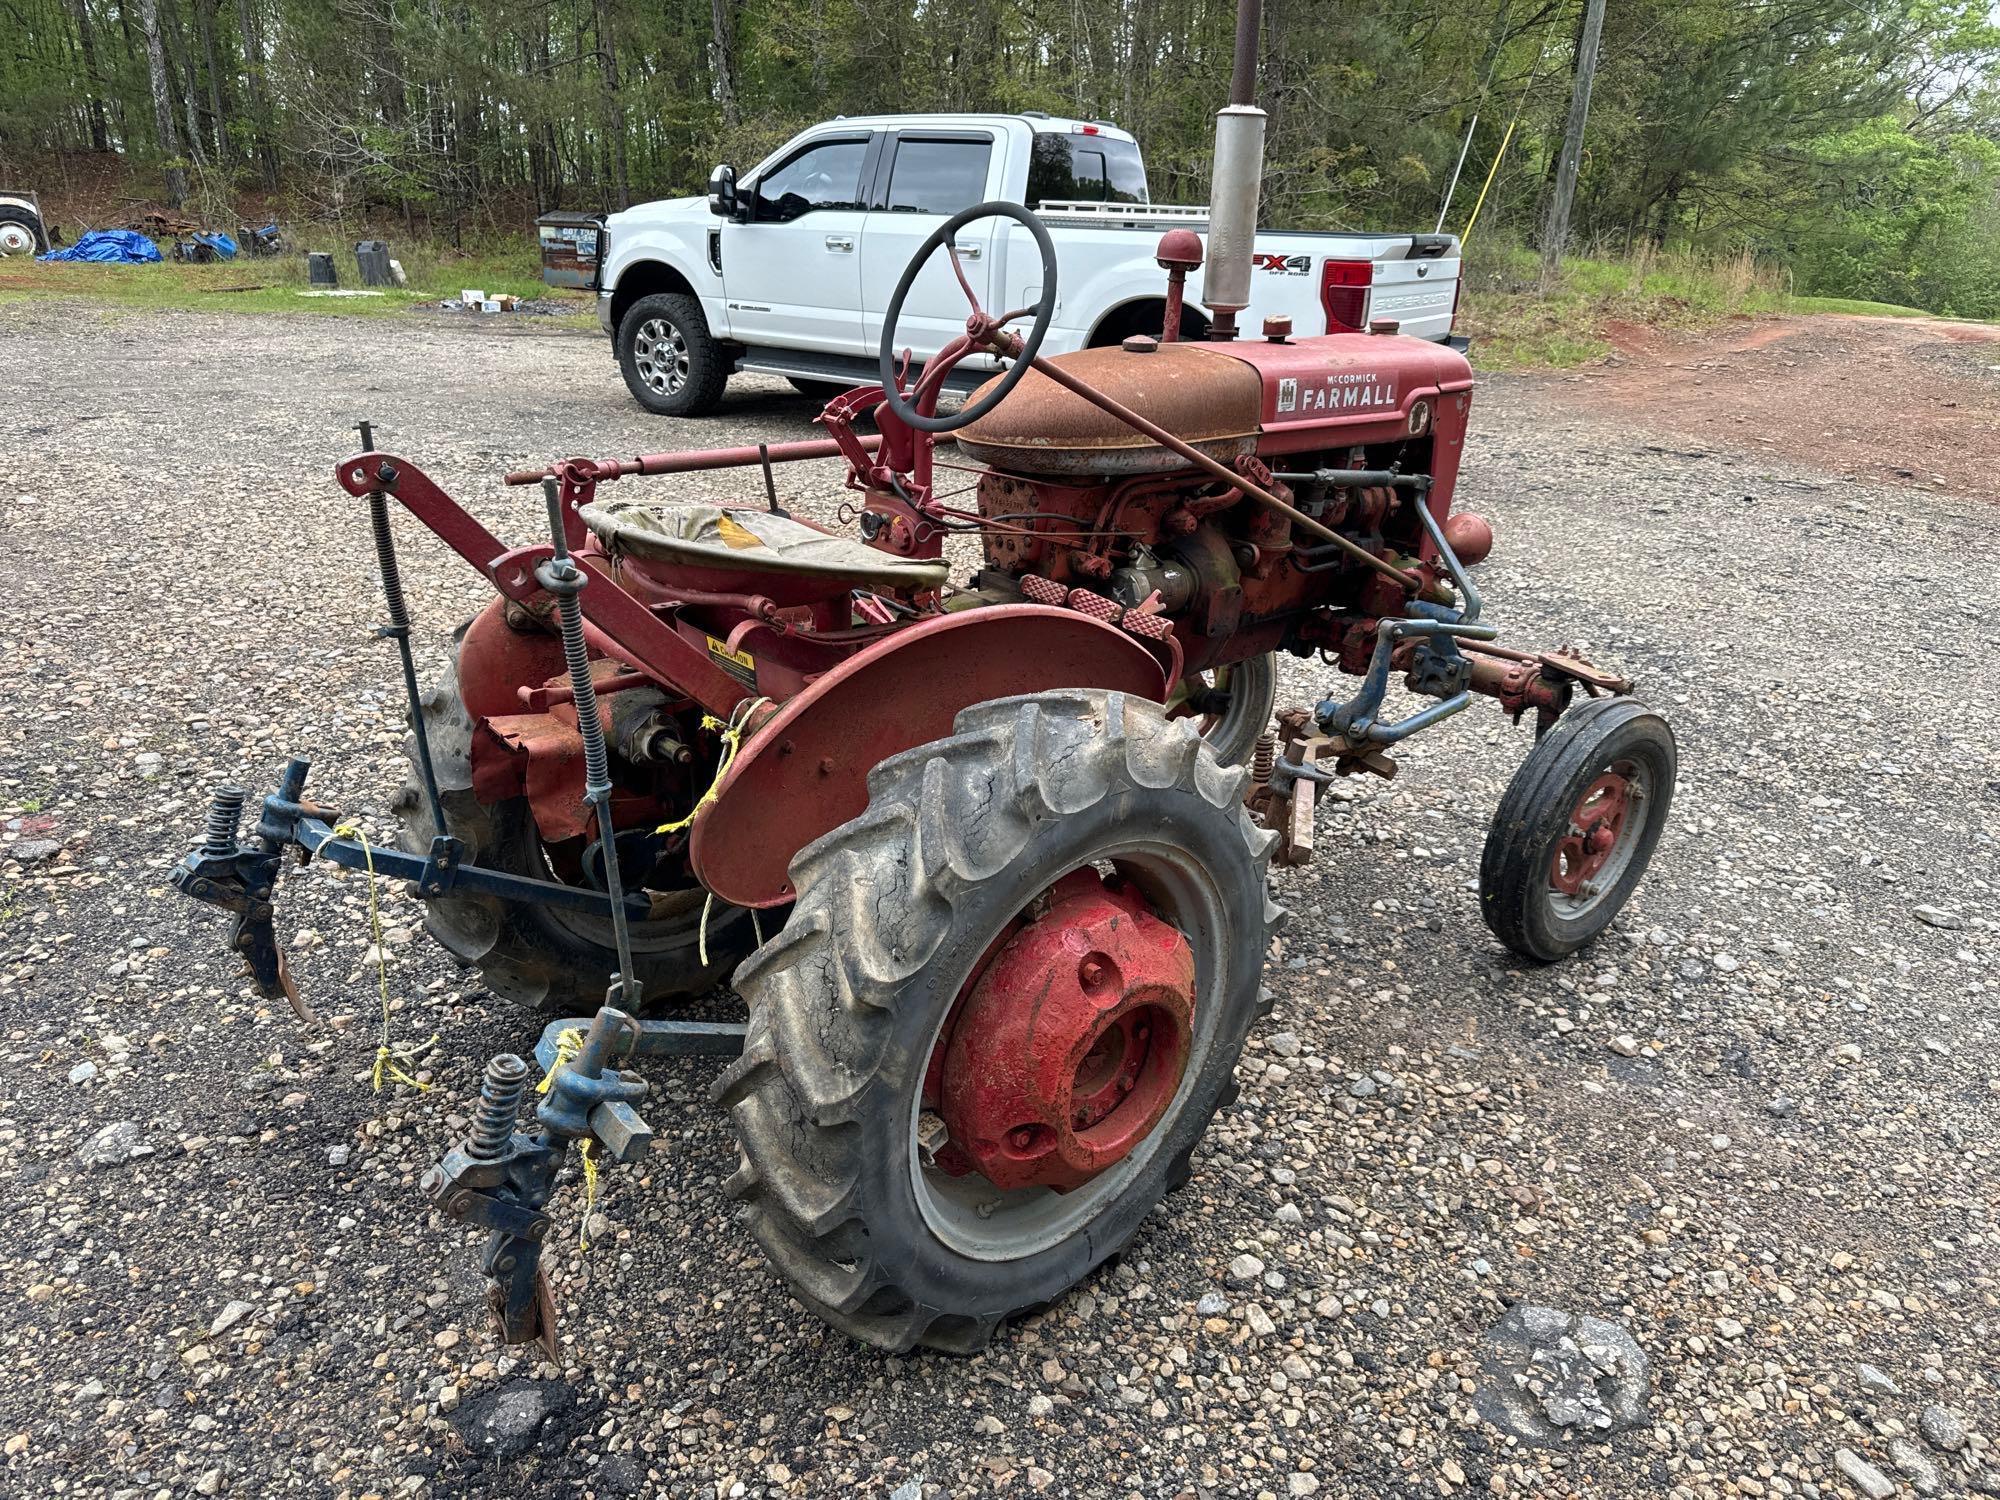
<point x="738" y="664"/>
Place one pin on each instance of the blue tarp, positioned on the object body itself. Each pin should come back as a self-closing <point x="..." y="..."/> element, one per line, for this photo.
<point x="110" y="247"/>
<point x="217" y="241"/>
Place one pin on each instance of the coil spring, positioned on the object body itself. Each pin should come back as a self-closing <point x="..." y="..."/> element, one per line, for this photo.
<point x="385" y="558"/>
<point x="596" y="769"/>
<point x="225" y="816"/>
<point x="1264" y="759"/>
<point x="500" y="1093"/>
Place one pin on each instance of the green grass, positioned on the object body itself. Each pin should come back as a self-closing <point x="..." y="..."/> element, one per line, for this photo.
<point x="278" y="284"/>
<point x="1512" y="326"/>
<point x="1852" y="305"/>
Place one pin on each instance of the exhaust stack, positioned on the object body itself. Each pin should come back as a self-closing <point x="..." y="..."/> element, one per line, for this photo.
<point x="1235" y="183"/>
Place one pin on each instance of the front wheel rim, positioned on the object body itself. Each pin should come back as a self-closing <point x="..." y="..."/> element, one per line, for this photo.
<point x="660" y="354"/>
<point x="1595" y="850"/>
<point x="15" y="240"/>
<point x="967" y="1212"/>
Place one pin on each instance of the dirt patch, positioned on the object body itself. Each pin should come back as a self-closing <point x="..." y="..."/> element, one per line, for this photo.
<point x="1907" y="401"/>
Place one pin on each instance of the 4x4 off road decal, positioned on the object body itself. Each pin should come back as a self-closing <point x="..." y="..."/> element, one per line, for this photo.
<point x="1283" y="265"/>
<point x="1344" y="390"/>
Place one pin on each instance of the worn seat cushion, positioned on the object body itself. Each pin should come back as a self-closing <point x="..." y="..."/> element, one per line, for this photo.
<point x="737" y="537"/>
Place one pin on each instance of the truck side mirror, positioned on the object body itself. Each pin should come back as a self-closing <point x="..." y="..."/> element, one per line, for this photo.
<point x="722" y="200"/>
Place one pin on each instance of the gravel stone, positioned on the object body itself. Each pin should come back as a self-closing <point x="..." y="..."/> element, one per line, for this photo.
<point x="116" y="1143"/>
<point x="1877" y="1382"/>
<point x="1917" y="1466"/>
<point x="1943" y="1428"/>
<point x="505" y="1422"/>
<point x="1549" y="1375"/>
<point x="1864" y="1476"/>
<point x="221" y="618"/>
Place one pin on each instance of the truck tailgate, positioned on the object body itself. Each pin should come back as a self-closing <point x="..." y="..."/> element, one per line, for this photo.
<point x="1418" y="292"/>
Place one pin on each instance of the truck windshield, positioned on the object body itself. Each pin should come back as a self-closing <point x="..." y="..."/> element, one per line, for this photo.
<point x="1078" y="168"/>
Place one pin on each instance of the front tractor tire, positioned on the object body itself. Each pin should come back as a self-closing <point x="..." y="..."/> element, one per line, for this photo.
<point x="1577" y="827"/>
<point x="1065" y="902"/>
<point x="537" y="956"/>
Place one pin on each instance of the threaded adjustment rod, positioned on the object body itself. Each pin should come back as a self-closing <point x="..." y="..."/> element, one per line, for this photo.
<point x="500" y="1095"/>
<point x="225" y="817"/>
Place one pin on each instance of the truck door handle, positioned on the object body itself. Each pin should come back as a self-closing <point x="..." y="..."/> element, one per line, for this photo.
<point x="970" y="252"/>
<point x="839" y="242"/>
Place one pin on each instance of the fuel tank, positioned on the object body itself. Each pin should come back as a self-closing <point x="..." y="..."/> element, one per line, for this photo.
<point x="1271" y="396"/>
<point x="1195" y="391"/>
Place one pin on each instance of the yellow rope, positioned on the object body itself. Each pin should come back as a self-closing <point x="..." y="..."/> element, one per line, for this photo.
<point x="569" y="1042"/>
<point x="391" y="1060"/>
<point x="732" y="740"/>
<point x="589" y="1196"/>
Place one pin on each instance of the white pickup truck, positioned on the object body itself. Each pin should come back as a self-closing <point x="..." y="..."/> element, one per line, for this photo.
<point x="788" y="271"/>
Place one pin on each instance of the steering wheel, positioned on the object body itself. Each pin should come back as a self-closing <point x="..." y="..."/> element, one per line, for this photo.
<point x="979" y="328"/>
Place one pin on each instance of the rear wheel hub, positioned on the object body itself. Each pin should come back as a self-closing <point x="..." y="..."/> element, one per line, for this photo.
<point x="1072" y="1041"/>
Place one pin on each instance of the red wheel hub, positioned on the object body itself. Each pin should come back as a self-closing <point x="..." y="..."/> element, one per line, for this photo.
<point x="1594" y="828"/>
<point x="1072" y="1041"/>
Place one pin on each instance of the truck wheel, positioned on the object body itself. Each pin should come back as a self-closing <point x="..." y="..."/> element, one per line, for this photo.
<point x="821" y="391"/>
<point x="19" y="233"/>
<point x="1576" y="827"/>
<point x="557" y="961"/>
<point x="1230" y="705"/>
<point x="1009" y="1000"/>
<point x="671" y="361"/>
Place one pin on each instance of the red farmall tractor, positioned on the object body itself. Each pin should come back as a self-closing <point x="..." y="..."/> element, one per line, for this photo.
<point x="1008" y="834"/>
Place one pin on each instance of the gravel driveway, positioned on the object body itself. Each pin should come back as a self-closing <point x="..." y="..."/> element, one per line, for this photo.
<point x="1754" y="1127"/>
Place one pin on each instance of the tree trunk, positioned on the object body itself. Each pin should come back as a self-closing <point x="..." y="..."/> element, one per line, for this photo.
<point x="1555" y="233"/>
<point x="180" y="71"/>
<point x="100" y="139"/>
<point x="204" y="20"/>
<point x="614" y="107"/>
<point x="251" y="24"/>
<point x="722" y="59"/>
<point x="163" y="104"/>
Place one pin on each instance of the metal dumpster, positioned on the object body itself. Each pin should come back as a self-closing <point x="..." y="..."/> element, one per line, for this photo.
<point x="571" y="245"/>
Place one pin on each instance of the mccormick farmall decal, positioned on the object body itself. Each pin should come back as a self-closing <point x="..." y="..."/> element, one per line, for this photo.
<point x="1346" y="390"/>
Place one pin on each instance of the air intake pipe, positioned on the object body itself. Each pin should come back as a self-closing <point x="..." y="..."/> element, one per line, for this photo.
<point x="1235" y="183"/>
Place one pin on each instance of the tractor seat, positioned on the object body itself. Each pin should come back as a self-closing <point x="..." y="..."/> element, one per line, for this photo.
<point x="739" y="539"/>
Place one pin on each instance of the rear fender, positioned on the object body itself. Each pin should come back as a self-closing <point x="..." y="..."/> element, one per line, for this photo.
<point x="805" y="771"/>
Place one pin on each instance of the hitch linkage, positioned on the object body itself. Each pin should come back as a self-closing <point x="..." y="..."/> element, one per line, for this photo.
<point x="500" y="1178"/>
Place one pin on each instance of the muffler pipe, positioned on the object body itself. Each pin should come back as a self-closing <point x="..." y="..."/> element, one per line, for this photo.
<point x="1235" y="183"/>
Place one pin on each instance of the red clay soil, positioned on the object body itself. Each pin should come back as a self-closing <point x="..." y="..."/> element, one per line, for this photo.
<point x="1912" y="401"/>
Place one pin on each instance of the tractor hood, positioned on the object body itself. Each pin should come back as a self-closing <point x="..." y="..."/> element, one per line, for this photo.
<point x="1195" y="391"/>
<point x="1298" y="394"/>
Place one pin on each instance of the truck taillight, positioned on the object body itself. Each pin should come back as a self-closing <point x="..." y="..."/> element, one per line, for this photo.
<point x="1457" y="291"/>
<point x="1343" y="292"/>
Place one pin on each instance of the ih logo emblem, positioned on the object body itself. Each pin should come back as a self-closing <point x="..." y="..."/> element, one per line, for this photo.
<point x="1283" y="265"/>
<point x="1288" y="395"/>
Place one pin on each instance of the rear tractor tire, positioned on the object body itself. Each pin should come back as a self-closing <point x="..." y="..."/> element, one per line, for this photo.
<point x="1577" y="827"/>
<point x="537" y="956"/>
<point x="1010" y="998"/>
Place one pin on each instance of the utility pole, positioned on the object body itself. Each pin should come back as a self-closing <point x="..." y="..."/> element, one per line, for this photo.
<point x="1555" y="231"/>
